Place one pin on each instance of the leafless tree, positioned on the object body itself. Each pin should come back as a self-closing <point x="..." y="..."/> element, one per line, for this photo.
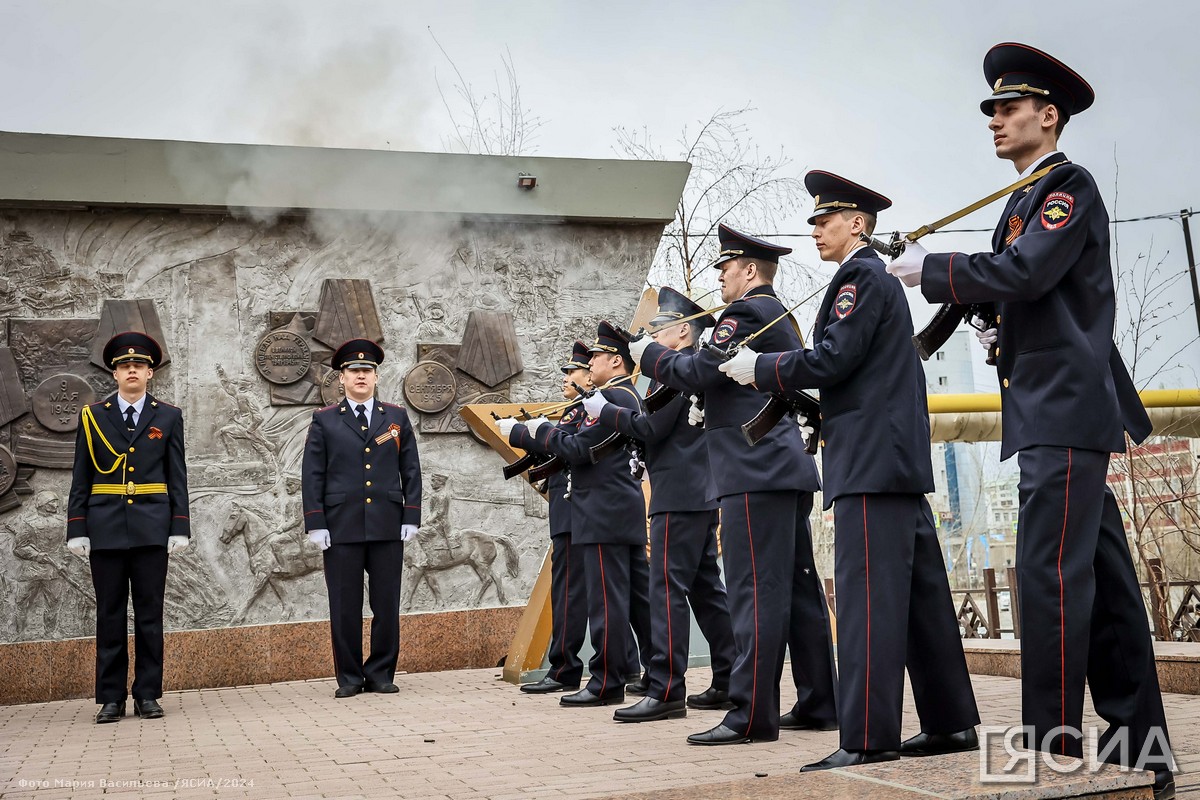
<point x="731" y="181"/>
<point x="493" y="122"/>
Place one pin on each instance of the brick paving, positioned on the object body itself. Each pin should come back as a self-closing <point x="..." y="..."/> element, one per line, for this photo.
<point x="461" y="734"/>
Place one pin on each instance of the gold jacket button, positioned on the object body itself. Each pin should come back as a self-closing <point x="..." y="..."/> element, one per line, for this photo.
<point x="368" y="450"/>
<point x="368" y="499"/>
<point x="131" y="449"/>
<point x="131" y="469"/>
<point x="130" y="501"/>
<point x="1006" y="383"/>
<point x="997" y="351"/>
<point x="368" y="483"/>
<point x="368" y="466"/>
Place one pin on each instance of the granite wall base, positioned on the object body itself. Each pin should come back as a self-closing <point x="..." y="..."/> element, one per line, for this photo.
<point x="37" y="672"/>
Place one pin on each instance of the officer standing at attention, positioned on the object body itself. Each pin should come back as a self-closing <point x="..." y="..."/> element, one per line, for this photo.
<point x="765" y="495"/>
<point x="127" y="511"/>
<point x="568" y="592"/>
<point x="608" y="518"/>
<point x="683" y="533"/>
<point x="362" y="502"/>
<point x="894" y="604"/>
<point x="1067" y="402"/>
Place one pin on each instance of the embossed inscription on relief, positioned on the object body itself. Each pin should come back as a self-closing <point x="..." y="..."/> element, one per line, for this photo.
<point x="282" y="357"/>
<point x="58" y="400"/>
<point x="429" y="387"/>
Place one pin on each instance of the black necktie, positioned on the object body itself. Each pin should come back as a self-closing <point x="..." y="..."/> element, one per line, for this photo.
<point x="362" y="415"/>
<point x="129" y="418"/>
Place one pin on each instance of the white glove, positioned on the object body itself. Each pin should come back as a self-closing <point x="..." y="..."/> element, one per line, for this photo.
<point x="907" y="267"/>
<point x="407" y="532"/>
<point x="594" y="405"/>
<point x="536" y="423"/>
<point x="741" y="366"/>
<point x="695" y="413"/>
<point x="806" y="430"/>
<point x="320" y="538"/>
<point x="636" y="465"/>
<point x="177" y="543"/>
<point x="987" y="338"/>
<point x="506" y="424"/>
<point x="638" y="346"/>
<point x="80" y="546"/>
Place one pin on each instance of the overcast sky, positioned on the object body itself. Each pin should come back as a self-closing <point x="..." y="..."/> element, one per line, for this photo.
<point x="881" y="91"/>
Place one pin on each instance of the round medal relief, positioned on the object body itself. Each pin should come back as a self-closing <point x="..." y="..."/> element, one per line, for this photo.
<point x="331" y="388"/>
<point x="282" y="357"/>
<point x="8" y="469"/>
<point x="58" y="400"/>
<point x="429" y="387"/>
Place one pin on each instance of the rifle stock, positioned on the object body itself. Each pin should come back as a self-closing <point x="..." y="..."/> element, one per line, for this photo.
<point x="944" y="323"/>
<point x="545" y="469"/>
<point x="776" y="407"/>
<point x="520" y="465"/>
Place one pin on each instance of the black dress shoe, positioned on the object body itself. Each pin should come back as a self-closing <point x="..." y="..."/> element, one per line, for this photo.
<point x="710" y="700"/>
<point x="547" y="685"/>
<point x="147" y="709"/>
<point x="650" y="710"/>
<point x="348" y="690"/>
<point x="791" y="722"/>
<point x="639" y="686"/>
<point x="851" y="758"/>
<point x="110" y="712"/>
<point x="381" y="688"/>
<point x="939" y="744"/>
<point x="718" y="735"/>
<point x="584" y="697"/>
<point x="1164" y="785"/>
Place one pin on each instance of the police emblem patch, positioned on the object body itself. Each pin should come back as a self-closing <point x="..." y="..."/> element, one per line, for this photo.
<point x="590" y="421"/>
<point x="570" y="416"/>
<point x="847" y="296"/>
<point x="1057" y="210"/>
<point x="1015" y="224"/>
<point x="724" y="331"/>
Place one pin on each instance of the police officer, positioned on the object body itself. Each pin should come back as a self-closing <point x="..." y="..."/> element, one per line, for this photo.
<point x="608" y="518"/>
<point x="362" y="501"/>
<point x="568" y="592"/>
<point x="894" y="605"/>
<point x="127" y="511"/>
<point x="683" y="532"/>
<point x="765" y="495"/>
<point x="1067" y="402"/>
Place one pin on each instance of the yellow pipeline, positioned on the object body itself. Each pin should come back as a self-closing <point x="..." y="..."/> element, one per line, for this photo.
<point x="970" y="403"/>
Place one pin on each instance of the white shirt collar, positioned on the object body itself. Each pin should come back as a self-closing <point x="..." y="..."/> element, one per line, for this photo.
<point x="123" y="404"/>
<point x="1032" y="168"/>
<point x="850" y="255"/>
<point x="368" y="407"/>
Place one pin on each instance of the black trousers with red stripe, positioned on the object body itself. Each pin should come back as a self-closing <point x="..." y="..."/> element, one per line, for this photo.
<point x="760" y="532"/>
<point x="568" y="609"/>
<point x="640" y="645"/>
<point x="607" y="569"/>
<point x="1082" y="613"/>
<point x="894" y="610"/>
<point x="813" y="672"/>
<point x="118" y="575"/>
<point x="383" y="564"/>
<point x="683" y="572"/>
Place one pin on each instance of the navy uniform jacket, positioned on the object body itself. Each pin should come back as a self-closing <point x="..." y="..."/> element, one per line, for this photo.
<point x="874" y="414"/>
<point x="556" y="484"/>
<point x="154" y="454"/>
<point x="1062" y="381"/>
<point x="360" y="490"/>
<point x="607" y="504"/>
<point x="676" y="456"/>
<point x="778" y="462"/>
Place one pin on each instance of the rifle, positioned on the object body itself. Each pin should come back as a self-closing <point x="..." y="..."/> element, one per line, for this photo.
<point x="524" y="462"/>
<point x="777" y="406"/>
<point x="555" y="464"/>
<point x="938" y="330"/>
<point x="980" y="316"/>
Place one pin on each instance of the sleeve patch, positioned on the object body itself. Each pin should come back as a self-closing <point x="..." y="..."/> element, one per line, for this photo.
<point x="590" y="421"/>
<point x="1057" y="210"/>
<point x="724" y="331"/>
<point x="847" y="296"/>
<point x="570" y="417"/>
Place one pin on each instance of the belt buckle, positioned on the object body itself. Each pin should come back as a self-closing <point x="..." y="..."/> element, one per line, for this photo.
<point x="131" y="488"/>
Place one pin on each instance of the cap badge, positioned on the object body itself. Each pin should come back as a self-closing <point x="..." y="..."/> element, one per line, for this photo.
<point x="131" y="351"/>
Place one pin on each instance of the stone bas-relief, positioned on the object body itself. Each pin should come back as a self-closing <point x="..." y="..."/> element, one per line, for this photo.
<point x="217" y="285"/>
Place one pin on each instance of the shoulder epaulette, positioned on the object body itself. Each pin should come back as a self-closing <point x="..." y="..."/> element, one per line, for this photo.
<point x="326" y="408"/>
<point x="393" y="405"/>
